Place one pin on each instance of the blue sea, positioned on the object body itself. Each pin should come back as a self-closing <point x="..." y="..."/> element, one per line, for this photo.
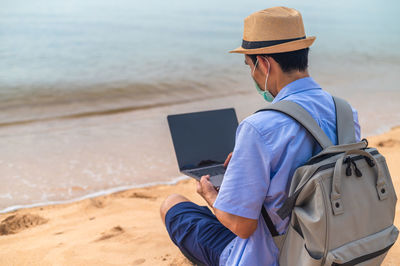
<point x="85" y="85"/>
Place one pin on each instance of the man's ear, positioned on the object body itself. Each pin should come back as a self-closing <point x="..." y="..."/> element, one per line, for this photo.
<point x="263" y="64"/>
<point x="274" y="66"/>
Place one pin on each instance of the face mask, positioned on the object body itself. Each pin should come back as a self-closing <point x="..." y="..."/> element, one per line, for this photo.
<point x="265" y="93"/>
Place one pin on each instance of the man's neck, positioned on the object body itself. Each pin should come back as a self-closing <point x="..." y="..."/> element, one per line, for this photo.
<point x="287" y="78"/>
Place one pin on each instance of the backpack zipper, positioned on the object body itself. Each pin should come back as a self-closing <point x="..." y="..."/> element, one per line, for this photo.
<point x="331" y="165"/>
<point x="328" y="155"/>
<point x="288" y="205"/>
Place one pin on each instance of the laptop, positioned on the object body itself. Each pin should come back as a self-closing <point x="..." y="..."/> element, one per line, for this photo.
<point x="202" y="141"/>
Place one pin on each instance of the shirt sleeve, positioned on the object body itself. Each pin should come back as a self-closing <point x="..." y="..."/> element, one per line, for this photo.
<point x="247" y="178"/>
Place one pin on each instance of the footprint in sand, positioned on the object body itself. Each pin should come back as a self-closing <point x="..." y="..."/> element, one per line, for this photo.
<point x="98" y="203"/>
<point x="113" y="232"/>
<point x="18" y="222"/>
<point x="139" y="261"/>
<point x="390" y="143"/>
<point x="140" y="195"/>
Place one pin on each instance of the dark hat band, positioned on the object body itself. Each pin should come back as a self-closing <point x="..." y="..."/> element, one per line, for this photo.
<point x="262" y="44"/>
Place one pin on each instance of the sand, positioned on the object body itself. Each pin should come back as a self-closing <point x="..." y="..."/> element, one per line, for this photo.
<point x="124" y="228"/>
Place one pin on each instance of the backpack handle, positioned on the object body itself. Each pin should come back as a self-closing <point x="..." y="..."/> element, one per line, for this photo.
<point x="336" y="201"/>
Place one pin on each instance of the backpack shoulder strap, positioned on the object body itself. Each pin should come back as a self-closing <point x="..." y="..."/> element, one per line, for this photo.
<point x="345" y="130"/>
<point x="299" y="114"/>
<point x="269" y="222"/>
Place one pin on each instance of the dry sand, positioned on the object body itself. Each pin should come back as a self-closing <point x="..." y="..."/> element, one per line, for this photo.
<point x="123" y="228"/>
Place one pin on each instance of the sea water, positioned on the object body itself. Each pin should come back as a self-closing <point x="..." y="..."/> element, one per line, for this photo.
<point x="85" y="85"/>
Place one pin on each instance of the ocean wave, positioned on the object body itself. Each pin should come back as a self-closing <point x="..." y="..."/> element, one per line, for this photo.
<point x="46" y="104"/>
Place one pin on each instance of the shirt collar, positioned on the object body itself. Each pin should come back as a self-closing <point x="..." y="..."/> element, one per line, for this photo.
<point x="296" y="86"/>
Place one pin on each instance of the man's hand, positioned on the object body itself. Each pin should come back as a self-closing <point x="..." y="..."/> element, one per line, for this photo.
<point x="228" y="159"/>
<point x="240" y="226"/>
<point x="206" y="189"/>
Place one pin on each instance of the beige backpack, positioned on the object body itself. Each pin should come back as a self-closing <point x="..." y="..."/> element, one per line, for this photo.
<point x="342" y="201"/>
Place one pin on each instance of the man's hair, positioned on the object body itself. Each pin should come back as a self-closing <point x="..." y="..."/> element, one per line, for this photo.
<point x="289" y="61"/>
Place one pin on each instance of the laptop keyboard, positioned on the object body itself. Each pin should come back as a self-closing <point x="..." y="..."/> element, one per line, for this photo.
<point x="212" y="171"/>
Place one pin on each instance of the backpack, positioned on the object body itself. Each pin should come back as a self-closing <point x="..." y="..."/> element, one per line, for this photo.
<point x="341" y="201"/>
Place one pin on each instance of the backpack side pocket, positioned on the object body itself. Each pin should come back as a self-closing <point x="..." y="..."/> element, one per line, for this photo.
<point x="294" y="251"/>
<point x="370" y="250"/>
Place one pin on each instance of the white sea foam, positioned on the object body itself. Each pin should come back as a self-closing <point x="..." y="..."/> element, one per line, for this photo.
<point x="92" y="195"/>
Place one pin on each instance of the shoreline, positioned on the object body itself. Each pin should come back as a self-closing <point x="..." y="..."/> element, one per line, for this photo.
<point x="104" y="192"/>
<point x="83" y="156"/>
<point x="86" y="155"/>
<point x="124" y="228"/>
<point x="100" y="193"/>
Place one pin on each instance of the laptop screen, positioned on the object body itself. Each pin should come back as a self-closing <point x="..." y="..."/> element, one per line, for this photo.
<point x="203" y="138"/>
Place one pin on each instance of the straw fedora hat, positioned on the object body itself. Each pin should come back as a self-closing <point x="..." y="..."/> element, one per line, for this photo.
<point x="274" y="30"/>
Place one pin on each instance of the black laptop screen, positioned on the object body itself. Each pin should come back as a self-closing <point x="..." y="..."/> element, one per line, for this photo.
<point x="203" y="138"/>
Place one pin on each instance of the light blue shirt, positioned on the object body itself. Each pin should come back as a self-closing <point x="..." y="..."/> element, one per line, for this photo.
<point x="269" y="147"/>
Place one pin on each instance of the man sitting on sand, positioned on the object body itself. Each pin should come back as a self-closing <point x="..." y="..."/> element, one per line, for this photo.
<point x="269" y="147"/>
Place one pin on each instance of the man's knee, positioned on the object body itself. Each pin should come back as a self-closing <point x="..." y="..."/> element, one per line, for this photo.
<point x="169" y="202"/>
